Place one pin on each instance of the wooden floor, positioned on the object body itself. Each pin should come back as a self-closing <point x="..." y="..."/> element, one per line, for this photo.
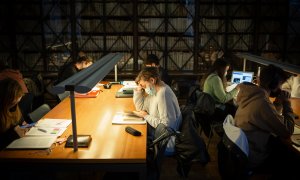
<point x="197" y="172"/>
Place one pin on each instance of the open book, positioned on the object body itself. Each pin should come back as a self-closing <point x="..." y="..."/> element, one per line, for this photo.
<point x="49" y="127"/>
<point x="32" y="142"/>
<point x="127" y="118"/>
<point x="42" y="135"/>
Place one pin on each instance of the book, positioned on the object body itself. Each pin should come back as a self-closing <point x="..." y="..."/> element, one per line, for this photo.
<point x="42" y="134"/>
<point x="49" y="127"/>
<point x="32" y="142"/>
<point x="53" y="123"/>
<point x="127" y="118"/>
<point x="82" y="140"/>
<point x="46" y="131"/>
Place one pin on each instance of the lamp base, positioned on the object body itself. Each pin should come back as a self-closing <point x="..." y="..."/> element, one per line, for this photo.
<point x="82" y="140"/>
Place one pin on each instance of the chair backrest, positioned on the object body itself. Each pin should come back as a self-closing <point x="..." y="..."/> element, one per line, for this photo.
<point x="233" y="152"/>
<point x="63" y="95"/>
<point x="236" y="134"/>
<point x="155" y="151"/>
<point x="201" y="102"/>
<point x="38" y="113"/>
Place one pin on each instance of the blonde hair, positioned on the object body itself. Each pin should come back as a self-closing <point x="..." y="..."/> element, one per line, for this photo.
<point x="10" y="91"/>
<point x="147" y="73"/>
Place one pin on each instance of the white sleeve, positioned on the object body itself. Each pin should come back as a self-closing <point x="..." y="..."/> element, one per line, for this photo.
<point x="138" y="100"/>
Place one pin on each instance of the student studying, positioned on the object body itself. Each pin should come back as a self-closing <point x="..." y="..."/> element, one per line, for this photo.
<point x="265" y="128"/>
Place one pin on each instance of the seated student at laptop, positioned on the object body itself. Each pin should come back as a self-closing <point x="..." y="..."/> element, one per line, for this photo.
<point x="215" y="84"/>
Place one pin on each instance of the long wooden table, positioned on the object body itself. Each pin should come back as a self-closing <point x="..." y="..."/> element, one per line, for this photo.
<point x="111" y="149"/>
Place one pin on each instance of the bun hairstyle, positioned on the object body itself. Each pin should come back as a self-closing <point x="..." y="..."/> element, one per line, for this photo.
<point x="271" y="76"/>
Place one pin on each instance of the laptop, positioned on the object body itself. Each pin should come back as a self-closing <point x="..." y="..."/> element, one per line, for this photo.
<point x="239" y="77"/>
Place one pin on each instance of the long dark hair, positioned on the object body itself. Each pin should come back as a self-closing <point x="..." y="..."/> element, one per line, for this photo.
<point x="9" y="91"/>
<point x="218" y="67"/>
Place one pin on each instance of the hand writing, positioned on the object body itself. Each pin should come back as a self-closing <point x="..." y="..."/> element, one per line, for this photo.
<point x="21" y="131"/>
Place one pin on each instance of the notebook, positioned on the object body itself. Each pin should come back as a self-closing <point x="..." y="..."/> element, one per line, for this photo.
<point x="32" y="142"/>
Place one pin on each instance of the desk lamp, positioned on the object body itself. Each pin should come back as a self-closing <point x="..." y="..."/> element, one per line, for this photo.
<point x="83" y="82"/>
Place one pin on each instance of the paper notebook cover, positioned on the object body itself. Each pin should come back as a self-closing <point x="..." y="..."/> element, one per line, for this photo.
<point x="127" y="118"/>
<point x="34" y="142"/>
<point x="83" y="141"/>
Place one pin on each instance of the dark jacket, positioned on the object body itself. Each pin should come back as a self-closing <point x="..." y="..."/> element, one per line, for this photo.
<point x="66" y="72"/>
<point x="163" y="73"/>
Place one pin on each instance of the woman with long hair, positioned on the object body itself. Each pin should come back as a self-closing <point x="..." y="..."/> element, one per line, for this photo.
<point x="215" y="84"/>
<point x="10" y="114"/>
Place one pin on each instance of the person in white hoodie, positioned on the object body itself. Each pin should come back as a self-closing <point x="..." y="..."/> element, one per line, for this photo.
<point x="293" y="86"/>
<point x="156" y="103"/>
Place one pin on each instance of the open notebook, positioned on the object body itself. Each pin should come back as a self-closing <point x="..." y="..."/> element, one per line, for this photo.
<point x="127" y="118"/>
<point x="42" y="135"/>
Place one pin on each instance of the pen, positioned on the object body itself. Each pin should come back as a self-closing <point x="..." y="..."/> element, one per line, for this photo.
<point x="43" y="130"/>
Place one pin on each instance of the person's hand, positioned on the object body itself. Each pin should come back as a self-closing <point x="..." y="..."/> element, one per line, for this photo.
<point x="283" y="96"/>
<point x="21" y="131"/>
<point x="238" y="87"/>
<point x="139" y="88"/>
<point x="140" y="113"/>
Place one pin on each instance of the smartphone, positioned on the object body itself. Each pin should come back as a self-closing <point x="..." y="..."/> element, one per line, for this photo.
<point x="28" y="125"/>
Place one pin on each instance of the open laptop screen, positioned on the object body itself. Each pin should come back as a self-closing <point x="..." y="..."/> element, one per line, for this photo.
<point x="241" y="76"/>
